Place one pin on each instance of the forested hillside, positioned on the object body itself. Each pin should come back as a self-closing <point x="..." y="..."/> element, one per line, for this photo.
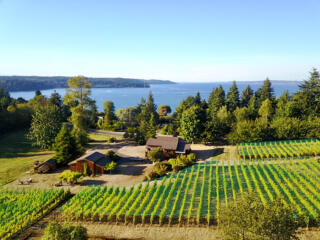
<point x="32" y="83"/>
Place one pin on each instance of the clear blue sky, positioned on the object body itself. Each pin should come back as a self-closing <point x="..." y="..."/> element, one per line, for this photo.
<point x="176" y="40"/>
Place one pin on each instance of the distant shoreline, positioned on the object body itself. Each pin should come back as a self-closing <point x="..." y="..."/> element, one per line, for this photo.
<point x="33" y="83"/>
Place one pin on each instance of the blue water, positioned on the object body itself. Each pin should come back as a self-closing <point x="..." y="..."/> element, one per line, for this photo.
<point x="170" y="94"/>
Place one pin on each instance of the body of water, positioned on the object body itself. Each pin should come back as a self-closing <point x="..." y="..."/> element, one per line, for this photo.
<point x="170" y="94"/>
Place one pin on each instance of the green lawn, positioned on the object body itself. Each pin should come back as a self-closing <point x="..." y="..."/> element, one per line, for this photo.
<point x="17" y="156"/>
<point x="102" y="138"/>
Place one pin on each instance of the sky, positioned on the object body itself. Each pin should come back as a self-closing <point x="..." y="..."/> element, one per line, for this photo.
<point x="183" y="41"/>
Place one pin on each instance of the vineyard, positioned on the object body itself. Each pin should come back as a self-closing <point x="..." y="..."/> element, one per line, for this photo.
<point x="19" y="209"/>
<point x="279" y="149"/>
<point x="196" y="194"/>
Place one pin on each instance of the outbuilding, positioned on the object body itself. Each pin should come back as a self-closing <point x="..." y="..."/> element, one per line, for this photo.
<point x="171" y="146"/>
<point x="45" y="166"/>
<point x="95" y="162"/>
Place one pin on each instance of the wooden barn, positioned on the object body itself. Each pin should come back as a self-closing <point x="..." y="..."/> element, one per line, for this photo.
<point x="95" y="162"/>
<point x="45" y="166"/>
<point x="171" y="145"/>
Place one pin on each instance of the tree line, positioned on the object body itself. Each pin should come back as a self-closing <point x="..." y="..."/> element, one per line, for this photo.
<point x="225" y="117"/>
<point x="230" y="116"/>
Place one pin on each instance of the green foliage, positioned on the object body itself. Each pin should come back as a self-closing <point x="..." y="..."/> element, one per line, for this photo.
<point x="85" y="169"/>
<point x="308" y="99"/>
<point x="128" y="115"/>
<point x="160" y="169"/>
<point x="250" y="131"/>
<point x="45" y="125"/>
<point x="109" y="113"/>
<point x="183" y="160"/>
<point x="264" y="93"/>
<point x="148" y="119"/>
<point x="287" y="128"/>
<point x="77" y="98"/>
<point x="246" y="95"/>
<point x="164" y="110"/>
<point x="65" y="231"/>
<point x="156" y="154"/>
<point x="111" y="166"/>
<point x="266" y="110"/>
<point x="192" y="124"/>
<point x="233" y="97"/>
<point x="182" y="196"/>
<point x="111" y="139"/>
<point x="24" y="207"/>
<point x="151" y="129"/>
<point x="112" y="156"/>
<point x="69" y="176"/>
<point x="65" y="147"/>
<point x="248" y="218"/>
<point x="216" y="99"/>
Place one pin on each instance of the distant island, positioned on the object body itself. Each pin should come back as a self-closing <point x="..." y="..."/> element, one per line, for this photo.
<point x="32" y="83"/>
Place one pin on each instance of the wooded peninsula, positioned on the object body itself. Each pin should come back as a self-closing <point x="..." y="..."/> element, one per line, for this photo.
<point x="32" y="83"/>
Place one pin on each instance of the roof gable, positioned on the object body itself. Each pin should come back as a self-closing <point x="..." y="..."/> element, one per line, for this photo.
<point x="166" y="142"/>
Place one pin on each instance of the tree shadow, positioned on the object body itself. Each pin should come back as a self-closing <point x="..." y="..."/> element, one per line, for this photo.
<point x="131" y="170"/>
<point x="208" y="153"/>
<point x="92" y="182"/>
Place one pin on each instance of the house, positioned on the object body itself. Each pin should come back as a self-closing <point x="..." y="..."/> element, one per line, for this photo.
<point x="45" y="166"/>
<point x="95" y="162"/>
<point x="171" y="145"/>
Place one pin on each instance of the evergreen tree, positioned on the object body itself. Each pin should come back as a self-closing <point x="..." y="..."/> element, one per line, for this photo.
<point x="109" y="113"/>
<point x="38" y="93"/>
<point x="233" y="97"/>
<point x="55" y="99"/>
<point x="216" y="99"/>
<point x="92" y="114"/>
<point x="308" y="99"/>
<point x="246" y="94"/>
<point x="265" y="92"/>
<point x="252" y="107"/>
<point x="151" y="129"/>
<point x="65" y="147"/>
<point x="150" y="109"/>
<point x="197" y="99"/>
<point x="283" y="107"/>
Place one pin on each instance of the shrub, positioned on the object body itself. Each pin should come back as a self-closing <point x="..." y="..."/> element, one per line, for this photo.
<point x="112" y="156"/>
<point x="248" y="218"/>
<point x="183" y="160"/>
<point x="111" y="139"/>
<point x="177" y="168"/>
<point x="69" y="176"/>
<point x="57" y="231"/>
<point x="85" y="169"/>
<point x="151" y="175"/>
<point x="160" y="168"/>
<point x="111" y="166"/>
<point x="156" y="155"/>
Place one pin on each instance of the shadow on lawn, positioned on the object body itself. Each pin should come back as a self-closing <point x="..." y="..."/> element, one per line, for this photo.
<point x="206" y="154"/>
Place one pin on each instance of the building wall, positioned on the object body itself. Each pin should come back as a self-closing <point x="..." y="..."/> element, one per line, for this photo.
<point x="79" y="167"/>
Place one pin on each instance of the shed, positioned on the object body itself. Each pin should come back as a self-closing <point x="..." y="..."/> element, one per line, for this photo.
<point x="45" y="166"/>
<point x="95" y="162"/>
<point x="171" y="145"/>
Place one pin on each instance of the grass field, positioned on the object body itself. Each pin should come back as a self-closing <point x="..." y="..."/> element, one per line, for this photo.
<point x="196" y="194"/>
<point x="17" y="156"/>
